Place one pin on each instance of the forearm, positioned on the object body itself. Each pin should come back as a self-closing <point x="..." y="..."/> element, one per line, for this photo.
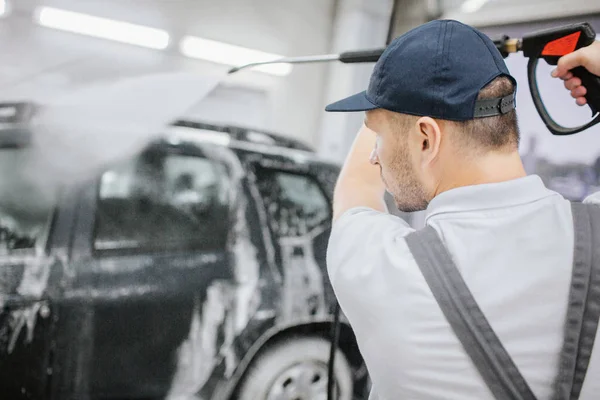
<point x="359" y="183"/>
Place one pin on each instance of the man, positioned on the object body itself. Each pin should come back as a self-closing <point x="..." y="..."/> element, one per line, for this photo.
<point x="441" y="135"/>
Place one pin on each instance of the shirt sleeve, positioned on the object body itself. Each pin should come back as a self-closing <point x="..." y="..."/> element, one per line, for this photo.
<point x="363" y="243"/>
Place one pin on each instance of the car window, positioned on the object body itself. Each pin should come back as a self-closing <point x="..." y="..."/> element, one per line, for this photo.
<point x="26" y="205"/>
<point x="295" y="203"/>
<point x="163" y="201"/>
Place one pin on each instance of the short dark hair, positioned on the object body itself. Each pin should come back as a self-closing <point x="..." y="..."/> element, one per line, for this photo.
<point x="497" y="132"/>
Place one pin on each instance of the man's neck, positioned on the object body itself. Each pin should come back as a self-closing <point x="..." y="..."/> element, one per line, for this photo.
<point x="493" y="167"/>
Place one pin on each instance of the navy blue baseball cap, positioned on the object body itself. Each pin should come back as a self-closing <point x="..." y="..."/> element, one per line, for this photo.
<point x="435" y="70"/>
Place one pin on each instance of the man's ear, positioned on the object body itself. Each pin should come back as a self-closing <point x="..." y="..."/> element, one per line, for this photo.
<point x="429" y="135"/>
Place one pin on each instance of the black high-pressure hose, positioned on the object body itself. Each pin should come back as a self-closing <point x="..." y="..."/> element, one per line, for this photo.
<point x="335" y="338"/>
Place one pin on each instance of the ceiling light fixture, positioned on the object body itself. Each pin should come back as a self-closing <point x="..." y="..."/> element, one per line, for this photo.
<point x="228" y="54"/>
<point x="103" y="28"/>
<point x="3" y="8"/>
<point x="470" y="6"/>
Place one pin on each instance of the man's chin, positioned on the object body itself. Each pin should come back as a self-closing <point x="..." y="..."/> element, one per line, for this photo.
<point x="410" y="207"/>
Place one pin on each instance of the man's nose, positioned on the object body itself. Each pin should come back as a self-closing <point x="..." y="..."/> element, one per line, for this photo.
<point x="374" y="159"/>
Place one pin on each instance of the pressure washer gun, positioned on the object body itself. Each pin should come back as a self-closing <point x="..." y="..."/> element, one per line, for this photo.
<point x="548" y="45"/>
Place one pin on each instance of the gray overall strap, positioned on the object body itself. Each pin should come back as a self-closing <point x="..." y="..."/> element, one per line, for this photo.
<point x="466" y="318"/>
<point x="584" y="303"/>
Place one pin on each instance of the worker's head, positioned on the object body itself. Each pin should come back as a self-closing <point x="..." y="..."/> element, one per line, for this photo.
<point x="441" y="102"/>
<point x="417" y="154"/>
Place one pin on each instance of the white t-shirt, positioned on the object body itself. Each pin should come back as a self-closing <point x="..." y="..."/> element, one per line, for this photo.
<point x="512" y="242"/>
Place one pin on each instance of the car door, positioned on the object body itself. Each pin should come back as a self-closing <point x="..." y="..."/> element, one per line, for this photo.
<point x="33" y="233"/>
<point x="299" y="215"/>
<point x="26" y="326"/>
<point x="150" y="254"/>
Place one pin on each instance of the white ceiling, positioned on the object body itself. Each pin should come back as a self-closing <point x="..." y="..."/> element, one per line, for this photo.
<point x="261" y="24"/>
<point x="39" y="62"/>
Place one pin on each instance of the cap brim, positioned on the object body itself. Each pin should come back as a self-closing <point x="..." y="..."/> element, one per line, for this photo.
<point x="357" y="102"/>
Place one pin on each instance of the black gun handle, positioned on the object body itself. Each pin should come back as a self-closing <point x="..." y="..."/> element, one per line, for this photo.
<point x="361" y="56"/>
<point x="592" y="83"/>
<point x="552" y="126"/>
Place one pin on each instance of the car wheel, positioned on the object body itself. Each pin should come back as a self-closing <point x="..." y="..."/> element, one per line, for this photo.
<point x="296" y="369"/>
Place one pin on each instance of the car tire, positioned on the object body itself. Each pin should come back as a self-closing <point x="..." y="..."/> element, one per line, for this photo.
<point x="296" y="369"/>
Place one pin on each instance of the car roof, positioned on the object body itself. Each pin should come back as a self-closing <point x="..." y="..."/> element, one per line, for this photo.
<point x="246" y="139"/>
<point x="247" y="134"/>
<point x="15" y="132"/>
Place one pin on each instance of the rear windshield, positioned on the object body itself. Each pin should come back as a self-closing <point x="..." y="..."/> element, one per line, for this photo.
<point x="27" y="202"/>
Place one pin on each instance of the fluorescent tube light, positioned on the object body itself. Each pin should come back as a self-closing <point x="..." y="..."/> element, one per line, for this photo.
<point x="3" y="8"/>
<point x="103" y="28"/>
<point x="470" y="6"/>
<point x="228" y="54"/>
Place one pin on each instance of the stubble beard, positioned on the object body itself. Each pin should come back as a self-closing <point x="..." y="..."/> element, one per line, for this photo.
<point x="408" y="193"/>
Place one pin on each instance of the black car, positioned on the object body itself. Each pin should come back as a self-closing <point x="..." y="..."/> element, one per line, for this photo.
<point x="193" y="270"/>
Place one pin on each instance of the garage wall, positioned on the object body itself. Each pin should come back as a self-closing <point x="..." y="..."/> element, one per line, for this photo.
<point x="504" y="12"/>
<point x="39" y="62"/>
